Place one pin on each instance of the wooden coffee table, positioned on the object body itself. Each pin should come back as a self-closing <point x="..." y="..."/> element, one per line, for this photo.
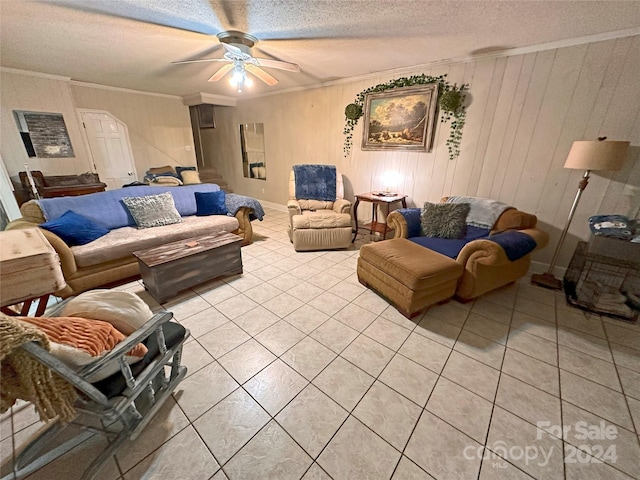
<point x="175" y="266"/>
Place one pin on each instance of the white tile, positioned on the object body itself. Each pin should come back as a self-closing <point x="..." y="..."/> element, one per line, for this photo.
<point x="270" y="454"/>
<point x="275" y="386"/>
<point x="356" y="453"/>
<point x="311" y="419"/>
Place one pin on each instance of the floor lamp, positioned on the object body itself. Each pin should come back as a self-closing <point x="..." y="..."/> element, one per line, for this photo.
<point x="587" y="156"/>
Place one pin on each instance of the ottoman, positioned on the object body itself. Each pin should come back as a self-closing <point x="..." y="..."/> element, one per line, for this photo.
<point x="410" y="276"/>
<point x="320" y="230"/>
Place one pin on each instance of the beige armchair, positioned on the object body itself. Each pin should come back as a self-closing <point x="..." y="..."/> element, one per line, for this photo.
<point x="319" y="224"/>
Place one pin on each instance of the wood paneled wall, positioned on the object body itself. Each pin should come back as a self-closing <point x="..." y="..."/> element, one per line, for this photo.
<point x="524" y="113"/>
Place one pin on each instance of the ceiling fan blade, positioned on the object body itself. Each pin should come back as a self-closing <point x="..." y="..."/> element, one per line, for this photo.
<point x="221" y="73"/>
<point x="201" y="60"/>
<point x="290" y="67"/>
<point x="261" y="74"/>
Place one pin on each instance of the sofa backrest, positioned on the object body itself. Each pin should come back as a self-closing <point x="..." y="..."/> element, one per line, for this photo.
<point x="510" y="219"/>
<point x="107" y="208"/>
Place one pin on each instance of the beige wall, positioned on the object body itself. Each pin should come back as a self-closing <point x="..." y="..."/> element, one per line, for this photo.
<point x="40" y="94"/>
<point x="159" y="126"/>
<point x="524" y="113"/>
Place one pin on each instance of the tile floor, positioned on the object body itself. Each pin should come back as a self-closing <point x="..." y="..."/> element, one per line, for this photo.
<point x="297" y="371"/>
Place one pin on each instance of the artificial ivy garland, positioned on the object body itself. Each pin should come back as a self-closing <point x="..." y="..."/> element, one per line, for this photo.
<point x="450" y="99"/>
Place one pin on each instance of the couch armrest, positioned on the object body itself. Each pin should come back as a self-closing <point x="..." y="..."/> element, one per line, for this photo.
<point x="245" y="230"/>
<point x="405" y="222"/>
<point x="342" y="205"/>
<point x="294" y="209"/>
<point x="489" y="253"/>
<point x="67" y="260"/>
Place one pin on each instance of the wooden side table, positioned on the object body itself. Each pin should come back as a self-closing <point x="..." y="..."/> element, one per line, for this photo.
<point x="29" y="270"/>
<point x="376" y="198"/>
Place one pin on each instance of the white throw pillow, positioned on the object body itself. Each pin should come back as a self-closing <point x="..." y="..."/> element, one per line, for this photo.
<point x="124" y="310"/>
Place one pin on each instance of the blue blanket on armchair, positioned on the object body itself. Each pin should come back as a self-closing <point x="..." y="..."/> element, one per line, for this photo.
<point x="317" y="182"/>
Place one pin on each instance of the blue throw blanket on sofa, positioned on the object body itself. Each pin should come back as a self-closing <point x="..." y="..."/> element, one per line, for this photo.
<point x="317" y="182"/>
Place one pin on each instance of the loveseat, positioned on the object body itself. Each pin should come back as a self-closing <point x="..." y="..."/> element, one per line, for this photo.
<point x="491" y="258"/>
<point x="108" y="259"/>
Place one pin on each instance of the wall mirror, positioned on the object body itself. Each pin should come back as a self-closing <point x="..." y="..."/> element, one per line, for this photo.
<point x="252" y="141"/>
<point x="44" y="134"/>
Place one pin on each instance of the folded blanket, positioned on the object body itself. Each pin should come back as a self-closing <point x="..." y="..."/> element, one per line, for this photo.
<point x="316" y="182"/>
<point x="234" y="201"/>
<point x="24" y="377"/>
<point x="483" y="213"/>
<point x="515" y="244"/>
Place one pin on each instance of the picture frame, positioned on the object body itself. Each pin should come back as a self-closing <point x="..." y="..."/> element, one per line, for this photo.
<point x="206" y="116"/>
<point x="400" y="118"/>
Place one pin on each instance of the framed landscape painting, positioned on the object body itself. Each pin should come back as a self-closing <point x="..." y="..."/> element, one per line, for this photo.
<point x="400" y="119"/>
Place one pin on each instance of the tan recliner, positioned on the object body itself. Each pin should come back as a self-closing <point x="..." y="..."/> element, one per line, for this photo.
<point x="319" y="224"/>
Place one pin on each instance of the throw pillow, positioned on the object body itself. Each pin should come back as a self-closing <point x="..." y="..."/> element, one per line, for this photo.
<point x="179" y="171"/>
<point x="210" y="203"/>
<point x="79" y="341"/>
<point x="153" y="210"/>
<point x="124" y="310"/>
<point x="190" y="177"/>
<point x="444" y="220"/>
<point x="75" y="229"/>
<point x="262" y="172"/>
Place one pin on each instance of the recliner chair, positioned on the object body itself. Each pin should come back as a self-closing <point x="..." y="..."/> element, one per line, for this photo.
<point x="319" y="223"/>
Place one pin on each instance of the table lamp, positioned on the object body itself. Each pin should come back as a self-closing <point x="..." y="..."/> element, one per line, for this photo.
<point x="587" y="156"/>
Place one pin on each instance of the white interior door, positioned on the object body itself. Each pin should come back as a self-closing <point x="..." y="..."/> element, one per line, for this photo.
<point x="110" y="149"/>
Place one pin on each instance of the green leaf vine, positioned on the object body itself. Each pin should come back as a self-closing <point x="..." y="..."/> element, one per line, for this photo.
<point x="450" y="100"/>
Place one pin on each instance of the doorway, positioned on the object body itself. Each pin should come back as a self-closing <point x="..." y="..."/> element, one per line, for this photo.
<point x="109" y="147"/>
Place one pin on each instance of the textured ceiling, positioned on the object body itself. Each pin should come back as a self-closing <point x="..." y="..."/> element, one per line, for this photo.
<point x="131" y="43"/>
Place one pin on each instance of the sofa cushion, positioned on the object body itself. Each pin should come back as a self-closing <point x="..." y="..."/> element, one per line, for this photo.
<point x="122" y="242"/>
<point x="444" y="220"/>
<point x="451" y="247"/>
<point x="75" y="229"/>
<point x="210" y="203"/>
<point x="321" y="219"/>
<point x="153" y="210"/>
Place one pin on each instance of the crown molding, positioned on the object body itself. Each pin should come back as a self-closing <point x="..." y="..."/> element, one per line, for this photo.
<point x="34" y="74"/>
<point x="569" y="42"/>
<point x="124" y="90"/>
<point x="208" y="98"/>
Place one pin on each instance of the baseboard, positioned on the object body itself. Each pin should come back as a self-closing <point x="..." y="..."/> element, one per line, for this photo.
<point x="275" y="206"/>
<point x="540" y="267"/>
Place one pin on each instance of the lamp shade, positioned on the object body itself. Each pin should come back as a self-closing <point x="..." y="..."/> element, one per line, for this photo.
<point x="597" y="155"/>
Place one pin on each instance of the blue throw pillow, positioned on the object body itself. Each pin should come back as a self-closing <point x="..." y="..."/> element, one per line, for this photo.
<point x="210" y="203"/>
<point x="75" y="229"/>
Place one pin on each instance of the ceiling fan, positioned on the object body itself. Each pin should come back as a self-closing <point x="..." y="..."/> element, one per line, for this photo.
<point x="237" y="47"/>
